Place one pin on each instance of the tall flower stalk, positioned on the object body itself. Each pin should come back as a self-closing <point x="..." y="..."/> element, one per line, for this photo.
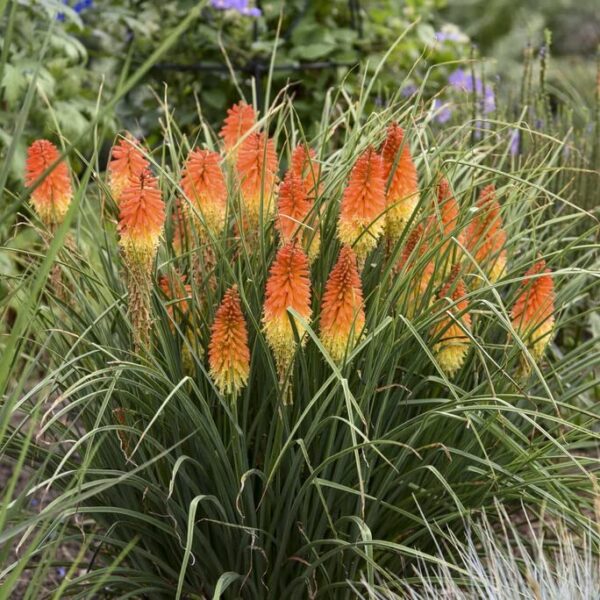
<point x="288" y="286"/>
<point x="127" y="162"/>
<point x="452" y="343"/>
<point x="402" y="194"/>
<point x="141" y="220"/>
<point x="533" y="312"/>
<point x="53" y="192"/>
<point x="342" y="312"/>
<point x="485" y="235"/>
<point x="256" y="170"/>
<point x="229" y="353"/>
<point x="240" y="119"/>
<point x="360" y="223"/>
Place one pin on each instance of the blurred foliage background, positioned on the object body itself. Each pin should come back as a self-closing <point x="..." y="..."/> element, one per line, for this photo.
<point x="227" y="53"/>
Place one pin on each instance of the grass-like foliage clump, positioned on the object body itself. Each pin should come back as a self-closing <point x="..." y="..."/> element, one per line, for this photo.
<point x="265" y="366"/>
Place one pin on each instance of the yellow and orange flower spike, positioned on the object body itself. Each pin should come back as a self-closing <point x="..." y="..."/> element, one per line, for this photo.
<point x="288" y="286"/>
<point x="452" y="343"/>
<point x="293" y="207"/>
<point x="342" y="310"/>
<point x="127" y="162"/>
<point x="241" y="118"/>
<point x="204" y="185"/>
<point x="533" y="311"/>
<point x="361" y="214"/>
<point x="420" y="276"/>
<point x="256" y="170"/>
<point x="53" y="194"/>
<point x="485" y="236"/>
<point x="402" y="194"/>
<point x="228" y="352"/>
<point x="305" y="166"/>
<point x="141" y="220"/>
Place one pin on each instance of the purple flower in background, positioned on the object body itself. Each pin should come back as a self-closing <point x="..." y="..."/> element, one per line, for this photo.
<point x="464" y="81"/>
<point x="409" y="90"/>
<point x="515" y="142"/>
<point x="448" y="36"/>
<point x="443" y="112"/>
<point x="61" y="572"/>
<point x="78" y="7"/>
<point x="240" y="6"/>
<point x="489" y="100"/>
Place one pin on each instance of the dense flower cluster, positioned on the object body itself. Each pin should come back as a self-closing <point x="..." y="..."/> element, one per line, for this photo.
<point x="442" y="254"/>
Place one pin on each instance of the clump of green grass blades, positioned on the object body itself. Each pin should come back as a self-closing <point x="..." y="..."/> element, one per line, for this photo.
<point x="164" y="488"/>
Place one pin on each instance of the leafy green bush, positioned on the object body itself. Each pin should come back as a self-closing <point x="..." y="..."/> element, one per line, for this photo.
<point x="170" y="487"/>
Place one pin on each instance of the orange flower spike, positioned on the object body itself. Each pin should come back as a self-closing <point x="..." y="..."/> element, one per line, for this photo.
<point x="342" y="312"/>
<point x="127" y="162"/>
<point x="256" y="169"/>
<point x="241" y="118"/>
<point x="420" y="276"/>
<point x="288" y="286"/>
<point x="304" y="165"/>
<point x="228" y="352"/>
<point x="485" y="236"/>
<point x="533" y="312"/>
<point x="363" y="204"/>
<point x="204" y="185"/>
<point x="402" y="195"/>
<point x="142" y="215"/>
<point x="452" y="343"/>
<point x="53" y="194"/>
<point x="293" y="207"/>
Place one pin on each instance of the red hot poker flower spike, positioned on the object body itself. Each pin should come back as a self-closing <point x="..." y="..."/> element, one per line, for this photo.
<point x="229" y="354"/>
<point x="361" y="214"/>
<point x="204" y="185"/>
<point x="533" y="312"/>
<point x="288" y="286"/>
<point x="241" y="118"/>
<point x="401" y="174"/>
<point x="485" y="236"/>
<point x="53" y="194"/>
<point x="127" y="162"/>
<point x="342" y="311"/>
<point x="256" y="169"/>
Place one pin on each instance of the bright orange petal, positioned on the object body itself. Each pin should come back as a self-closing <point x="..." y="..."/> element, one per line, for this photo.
<point x="342" y="312"/>
<point x="52" y="196"/>
<point x="228" y="353"/>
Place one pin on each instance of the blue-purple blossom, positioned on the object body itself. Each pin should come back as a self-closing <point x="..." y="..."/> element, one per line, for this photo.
<point x="61" y="572"/>
<point x="443" y="111"/>
<point x="464" y="81"/>
<point x="240" y="6"/>
<point x="78" y="7"/>
<point x="515" y="142"/>
<point x="448" y="36"/>
<point x="409" y="90"/>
